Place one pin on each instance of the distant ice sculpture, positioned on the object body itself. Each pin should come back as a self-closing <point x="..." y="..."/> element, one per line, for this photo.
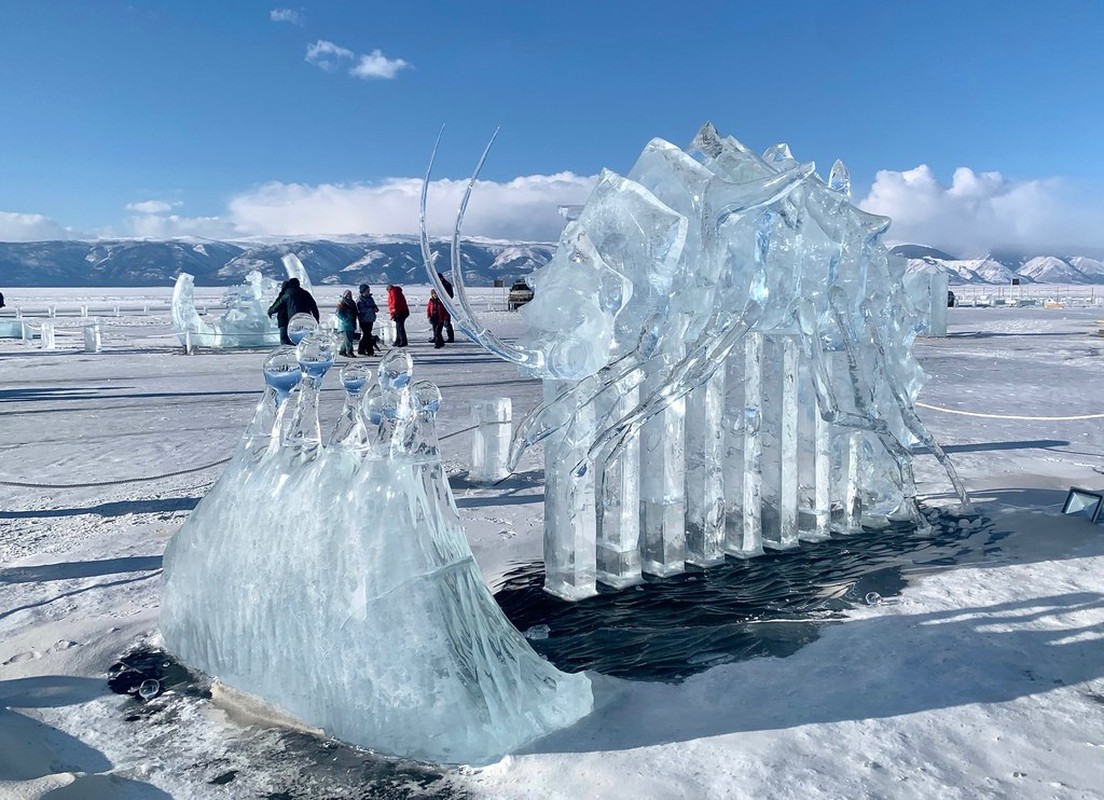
<point x="245" y="323"/>
<point x="726" y="349"/>
<point x="336" y="582"/>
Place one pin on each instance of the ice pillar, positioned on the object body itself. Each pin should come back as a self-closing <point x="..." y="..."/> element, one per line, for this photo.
<point x="618" y="556"/>
<point x="751" y="541"/>
<point x="822" y="508"/>
<point x="570" y="524"/>
<point x="705" y="454"/>
<point x="937" y="325"/>
<point x="490" y="443"/>
<point x="663" y="489"/>
<point x="783" y="533"/>
<point x="92" y="341"/>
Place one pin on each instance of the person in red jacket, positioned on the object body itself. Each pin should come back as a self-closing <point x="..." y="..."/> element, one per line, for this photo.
<point x="438" y="315"/>
<point x="397" y="307"/>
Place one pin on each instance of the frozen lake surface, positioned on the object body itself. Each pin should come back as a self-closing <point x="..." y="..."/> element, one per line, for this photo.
<point x="980" y="673"/>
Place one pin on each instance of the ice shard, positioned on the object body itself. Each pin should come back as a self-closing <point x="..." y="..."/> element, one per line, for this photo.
<point x="336" y="583"/>
<point x="725" y="337"/>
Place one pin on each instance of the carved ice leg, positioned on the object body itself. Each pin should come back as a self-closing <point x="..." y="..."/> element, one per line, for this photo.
<point x="569" y="512"/>
<point x="663" y="491"/>
<point x="823" y="460"/>
<point x="751" y="542"/>
<point x="705" y="491"/>
<point x="618" y="556"/>
<point x="784" y="536"/>
<point x="734" y="426"/>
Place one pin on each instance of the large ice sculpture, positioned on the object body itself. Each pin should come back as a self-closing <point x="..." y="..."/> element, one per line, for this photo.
<point x="726" y="349"/>
<point x="336" y="582"/>
<point x="245" y="323"/>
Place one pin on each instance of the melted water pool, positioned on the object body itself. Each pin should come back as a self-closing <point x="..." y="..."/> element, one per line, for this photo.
<point x="667" y="629"/>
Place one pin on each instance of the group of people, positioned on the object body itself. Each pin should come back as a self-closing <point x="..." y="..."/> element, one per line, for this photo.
<point x="363" y="311"/>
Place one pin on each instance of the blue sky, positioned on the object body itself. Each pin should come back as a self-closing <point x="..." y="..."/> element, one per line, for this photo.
<point x="217" y="118"/>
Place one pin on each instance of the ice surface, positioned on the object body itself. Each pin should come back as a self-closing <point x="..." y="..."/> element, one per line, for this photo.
<point x="733" y="296"/>
<point x="245" y="323"/>
<point x="336" y="582"/>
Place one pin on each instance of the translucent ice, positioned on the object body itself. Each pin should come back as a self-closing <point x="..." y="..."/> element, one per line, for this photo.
<point x="245" y="323"/>
<point x="723" y="335"/>
<point x="337" y="583"/>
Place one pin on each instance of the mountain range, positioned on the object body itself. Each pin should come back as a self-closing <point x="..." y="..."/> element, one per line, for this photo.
<point x="346" y="261"/>
<point x="1002" y="268"/>
<point x="350" y="261"/>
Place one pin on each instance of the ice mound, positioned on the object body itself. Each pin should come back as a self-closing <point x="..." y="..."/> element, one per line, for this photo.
<point x="336" y="582"/>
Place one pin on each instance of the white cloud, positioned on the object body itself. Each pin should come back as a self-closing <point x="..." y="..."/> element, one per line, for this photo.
<point x="377" y="65"/>
<point x="16" y="227"/>
<point x="524" y="208"/>
<point x="286" y="15"/>
<point x="981" y="211"/>
<point x="151" y="206"/>
<point x="165" y="226"/>
<point x="331" y="57"/>
<point x="327" y="55"/>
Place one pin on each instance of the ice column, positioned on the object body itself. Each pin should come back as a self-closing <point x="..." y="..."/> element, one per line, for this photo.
<point x="783" y="534"/>
<point x="937" y="325"/>
<point x="823" y="497"/>
<point x="490" y="442"/>
<point x="663" y="489"/>
<point x="47" y="334"/>
<point x="92" y="341"/>
<point x="705" y="491"/>
<point x="618" y="536"/>
<point x="570" y="524"/>
<point x="735" y="425"/>
<point x="751" y="543"/>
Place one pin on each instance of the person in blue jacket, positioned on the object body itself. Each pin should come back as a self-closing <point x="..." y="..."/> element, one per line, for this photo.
<point x="347" y="323"/>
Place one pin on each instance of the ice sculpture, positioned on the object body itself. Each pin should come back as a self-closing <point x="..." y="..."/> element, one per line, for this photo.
<point x="336" y="582"/>
<point x="726" y="349"/>
<point x="245" y="323"/>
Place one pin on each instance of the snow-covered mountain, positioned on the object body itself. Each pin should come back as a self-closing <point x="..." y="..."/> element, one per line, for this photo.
<point x="397" y="259"/>
<point x="345" y="260"/>
<point x="1002" y="268"/>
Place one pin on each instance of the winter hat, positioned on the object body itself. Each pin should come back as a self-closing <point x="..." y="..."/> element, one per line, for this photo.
<point x="364" y="288"/>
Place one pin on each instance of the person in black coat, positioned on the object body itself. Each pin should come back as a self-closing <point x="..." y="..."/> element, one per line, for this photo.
<point x="293" y="299"/>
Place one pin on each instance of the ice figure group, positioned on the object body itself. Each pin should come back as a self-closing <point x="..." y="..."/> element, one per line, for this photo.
<point x="725" y="345"/>
<point x="245" y="323"/>
<point x="335" y="581"/>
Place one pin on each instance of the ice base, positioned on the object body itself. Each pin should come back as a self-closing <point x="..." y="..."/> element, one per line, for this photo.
<point x="343" y="592"/>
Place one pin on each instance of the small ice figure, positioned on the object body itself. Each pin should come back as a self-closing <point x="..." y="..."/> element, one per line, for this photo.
<point x="149" y="689"/>
<point x="281" y="371"/>
<point x="354" y="376"/>
<point x="395" y="370"/>
<point x="316" y="352"/>
<point x="300" y="326"/>
<point x="873" y="599"/>
<point x="538" y="632"/>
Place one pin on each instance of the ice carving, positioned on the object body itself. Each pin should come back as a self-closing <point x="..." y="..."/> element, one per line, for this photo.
<point x="335" y="581"/>
<point x="245" y="323"/>
<point x="726" y="349"/>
